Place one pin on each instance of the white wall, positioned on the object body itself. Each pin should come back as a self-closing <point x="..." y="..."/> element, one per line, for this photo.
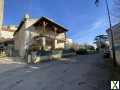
<point x="20" y="41"/>
<point x="22" y="37"/>
<point x="6" y="34"/>
<point x="60" y="45"/>
<point x="61" y="36"/>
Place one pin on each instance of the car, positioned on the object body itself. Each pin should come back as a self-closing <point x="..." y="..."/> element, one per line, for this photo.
<point x="107" y="54"/>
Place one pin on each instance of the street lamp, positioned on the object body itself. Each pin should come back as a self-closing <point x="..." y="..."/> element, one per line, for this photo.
<point x="111" y="32"/>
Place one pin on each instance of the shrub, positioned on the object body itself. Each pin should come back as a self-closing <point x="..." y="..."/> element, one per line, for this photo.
<point x="81" y="51"/>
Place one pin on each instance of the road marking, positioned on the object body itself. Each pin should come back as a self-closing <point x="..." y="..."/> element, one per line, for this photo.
<point x="34" y="67"/>
<point x="28" y="71"/>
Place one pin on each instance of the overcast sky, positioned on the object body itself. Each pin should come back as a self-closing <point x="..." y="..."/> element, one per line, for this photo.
<point x="83" y="19"/>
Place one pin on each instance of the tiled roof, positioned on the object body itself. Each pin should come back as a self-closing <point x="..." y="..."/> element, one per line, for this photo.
<point x="35" y="21"/>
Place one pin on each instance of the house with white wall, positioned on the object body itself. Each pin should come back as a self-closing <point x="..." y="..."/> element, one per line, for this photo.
<point x="7" y="32"/>
<point x="38" y="34"/>
<point x="7" y="39"/>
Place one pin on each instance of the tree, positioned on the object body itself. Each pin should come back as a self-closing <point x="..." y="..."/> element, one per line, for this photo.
<point x="91" y="48"/>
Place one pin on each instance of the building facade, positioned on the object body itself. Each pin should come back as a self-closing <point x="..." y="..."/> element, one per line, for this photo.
<point x="38" y="34"/>
<point x="116" y="39"/>
<point x="7" y="32"/>
<point x="7" y="39"/>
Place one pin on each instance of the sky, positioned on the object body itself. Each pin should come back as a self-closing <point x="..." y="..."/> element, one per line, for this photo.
<point x="83" y="19"/>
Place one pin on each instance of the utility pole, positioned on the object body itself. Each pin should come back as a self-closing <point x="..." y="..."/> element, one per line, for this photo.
<point x="111" y="32"/>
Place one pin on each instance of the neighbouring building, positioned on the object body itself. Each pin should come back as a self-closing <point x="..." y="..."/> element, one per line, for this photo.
<point x="1" y="12"/>
<point x="102" y="43"/>
<point x="116" y="39"/>
<point x="6" y="32"/>
<point x="42" y="33"/>
<point x="7" y="39"/>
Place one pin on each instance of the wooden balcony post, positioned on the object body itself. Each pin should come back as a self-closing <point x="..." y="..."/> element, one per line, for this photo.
<point x="44" y="27"/>
<point x="43" y="42"/>
<point x="65" y="39"/>
<point x="55" y="33"/>
<point x="43" y="37"/>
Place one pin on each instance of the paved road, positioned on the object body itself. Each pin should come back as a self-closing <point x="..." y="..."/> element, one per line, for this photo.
<point x="76" y="73"/>
<point x="10" y="63"/>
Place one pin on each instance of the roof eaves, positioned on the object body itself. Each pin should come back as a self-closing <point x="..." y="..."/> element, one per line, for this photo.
<point x="61" y="26"/>
<point x="20" y="25"/>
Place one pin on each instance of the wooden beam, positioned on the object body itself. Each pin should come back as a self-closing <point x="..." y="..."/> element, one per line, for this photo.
<point x="55" y="31"/>
<point x="44" y="26"/>
<point x="65" y="39"/>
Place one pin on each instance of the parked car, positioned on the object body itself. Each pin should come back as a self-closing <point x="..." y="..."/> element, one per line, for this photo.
<point x="68" y="52"/>
<point x="106" y="54"/>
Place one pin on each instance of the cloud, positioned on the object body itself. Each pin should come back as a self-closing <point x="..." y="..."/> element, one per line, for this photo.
<point x="92" y="27"/>
<point x="89" y="33"/>
<point x="97" y="24"/>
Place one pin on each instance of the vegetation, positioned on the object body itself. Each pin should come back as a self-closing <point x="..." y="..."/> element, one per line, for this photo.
<point x="85" y="49"/>
<point x="81" y="51"/>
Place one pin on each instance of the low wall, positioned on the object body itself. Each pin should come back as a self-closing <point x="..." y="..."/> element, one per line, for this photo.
<point x="51" y="55"/>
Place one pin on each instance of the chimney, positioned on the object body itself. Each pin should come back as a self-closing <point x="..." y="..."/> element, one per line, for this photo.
<point x="27" y="16"/>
